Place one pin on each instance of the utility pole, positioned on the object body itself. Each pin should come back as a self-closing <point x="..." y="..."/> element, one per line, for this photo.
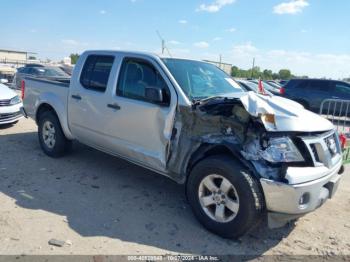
<point x="220" y="59"/>
<point x="163" y="43"/>
<point x="253" y="67"/>
<point x="163" y="46"/>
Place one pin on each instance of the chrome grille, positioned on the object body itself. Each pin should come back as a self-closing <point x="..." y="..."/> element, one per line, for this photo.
<point x="324" y="148"/>
<point x="5" y="102"/>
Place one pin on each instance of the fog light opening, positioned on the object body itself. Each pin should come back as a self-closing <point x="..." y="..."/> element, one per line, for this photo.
<point x="304" y="200"/>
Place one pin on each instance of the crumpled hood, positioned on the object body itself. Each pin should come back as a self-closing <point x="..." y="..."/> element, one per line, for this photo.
<point x="6" y="93"/>
<point x="288" y="115"/>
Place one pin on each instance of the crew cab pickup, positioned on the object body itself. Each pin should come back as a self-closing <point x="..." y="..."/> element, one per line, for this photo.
<point x="241" y="155"/>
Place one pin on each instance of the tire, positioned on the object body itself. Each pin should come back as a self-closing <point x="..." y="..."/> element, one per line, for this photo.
<point x="61" y="144"/>
<point x="246" y="191"/>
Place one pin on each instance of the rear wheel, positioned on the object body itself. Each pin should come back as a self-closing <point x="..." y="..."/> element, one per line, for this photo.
<point x="225" y="198"/>
<point x="51" y="137"/>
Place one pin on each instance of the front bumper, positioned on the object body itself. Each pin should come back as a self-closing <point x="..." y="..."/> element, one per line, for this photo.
<point x="285" y="202"/>
<point x="10" y="114"/>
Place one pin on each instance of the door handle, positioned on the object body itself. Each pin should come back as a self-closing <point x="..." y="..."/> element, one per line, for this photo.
<point x="114" y="106"/>
<point x="76" y="97"/>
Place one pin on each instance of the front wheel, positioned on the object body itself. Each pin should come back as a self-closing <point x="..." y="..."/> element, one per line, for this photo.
<point x="51" y="137"/>
<point x="225" y="198"/>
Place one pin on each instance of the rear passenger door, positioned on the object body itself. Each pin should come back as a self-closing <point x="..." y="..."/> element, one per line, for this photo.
<point x="87" y="102"/>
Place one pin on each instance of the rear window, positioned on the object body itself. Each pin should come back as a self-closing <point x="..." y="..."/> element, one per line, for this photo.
<point x="96" y="72"/>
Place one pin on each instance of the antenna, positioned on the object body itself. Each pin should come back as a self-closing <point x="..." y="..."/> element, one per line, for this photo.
<point x="164" y="47"/>
<point x="253" y="67"/>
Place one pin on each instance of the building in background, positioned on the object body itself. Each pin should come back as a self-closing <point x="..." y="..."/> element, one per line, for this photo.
<point x="223" y="66"/>
<point x="10" y="60"/>
<point x="15" y="58"/>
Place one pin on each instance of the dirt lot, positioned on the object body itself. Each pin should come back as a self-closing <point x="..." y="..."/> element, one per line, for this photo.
<point x="104" y="205"/>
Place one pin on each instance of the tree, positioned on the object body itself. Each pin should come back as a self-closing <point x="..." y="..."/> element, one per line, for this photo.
<point x="267" y="74"/>
<point x="285" y="74"/>
<point x="74" y="58"/>
<point x="235" y="71"/>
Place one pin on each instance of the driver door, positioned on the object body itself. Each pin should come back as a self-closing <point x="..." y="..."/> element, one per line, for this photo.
<point x="138" y="129"/>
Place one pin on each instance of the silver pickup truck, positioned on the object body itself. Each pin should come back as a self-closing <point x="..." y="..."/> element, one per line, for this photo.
<point x="242" y="155"/>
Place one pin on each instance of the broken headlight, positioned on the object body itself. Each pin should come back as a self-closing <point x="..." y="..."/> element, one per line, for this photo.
<point x="281" y="149"/>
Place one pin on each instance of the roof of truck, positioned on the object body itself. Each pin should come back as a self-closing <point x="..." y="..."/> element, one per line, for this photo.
<point x="144" y="53"/>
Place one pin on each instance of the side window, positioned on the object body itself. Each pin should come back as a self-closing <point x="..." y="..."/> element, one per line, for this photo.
<point x="25" y="70"/>
<point x="320" y="85"/>
<point x="21" y="70"/>
<point x="301" y="84"/>
<point x="135" y="76"/>
<point x="341" y="88"/>
<point x="96" y="71"/>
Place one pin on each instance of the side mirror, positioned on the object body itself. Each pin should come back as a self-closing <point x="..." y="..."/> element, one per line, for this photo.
<point x="154" y="94"/>
<point x="3" y="81"/>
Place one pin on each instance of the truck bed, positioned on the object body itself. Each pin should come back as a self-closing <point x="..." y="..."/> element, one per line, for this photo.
<point x="38" y="90"/>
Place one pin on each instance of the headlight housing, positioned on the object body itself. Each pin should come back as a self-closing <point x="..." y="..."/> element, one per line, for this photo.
<point x="281" y="149"/>
<point x="16" y="100"/>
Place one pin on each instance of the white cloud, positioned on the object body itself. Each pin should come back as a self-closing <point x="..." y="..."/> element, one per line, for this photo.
<point x="183" y="21"/>
<point x="231" y="30"/>
<point x="174" y="42"/>
<point x="292" y="7"/>
<point x="201" y="44"/>
<point x="103" y="12"/>
<point x="214" y="6"/>
<point x="300" y="63"/>
<point x="244" y="49"/>
<point x="217" y="38"/>
<point x="303" y="31"/>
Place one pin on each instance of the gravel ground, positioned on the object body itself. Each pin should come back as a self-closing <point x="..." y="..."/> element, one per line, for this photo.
<point x="100" y="204"/>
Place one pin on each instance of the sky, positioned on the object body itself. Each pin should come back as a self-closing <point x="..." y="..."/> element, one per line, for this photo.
<point x="309" y="37"/>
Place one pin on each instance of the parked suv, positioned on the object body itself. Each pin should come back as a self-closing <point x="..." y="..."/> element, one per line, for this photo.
<point x="311" y="92"/>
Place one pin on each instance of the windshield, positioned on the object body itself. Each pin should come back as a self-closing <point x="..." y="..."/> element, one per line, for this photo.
<point x="51" y="72"/>
<point x="200" y="80"/>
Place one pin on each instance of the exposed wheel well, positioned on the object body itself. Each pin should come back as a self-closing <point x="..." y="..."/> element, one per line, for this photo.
<point x="44" y="108"/>
<point x="206" y="150"/>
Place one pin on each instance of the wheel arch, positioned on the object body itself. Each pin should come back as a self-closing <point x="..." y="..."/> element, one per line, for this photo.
<point x="206" y="150"/>
<point x="47" y="107"/>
